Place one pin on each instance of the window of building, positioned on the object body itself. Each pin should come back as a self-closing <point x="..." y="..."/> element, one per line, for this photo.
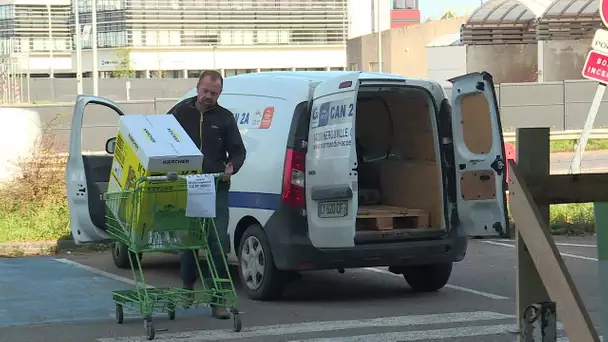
<point x="404" y="4"/>
<point x="7" y="12"/>
<point x="373" y="67"/>
<point x="234" y="72"/>
<point x="353" y="67"/>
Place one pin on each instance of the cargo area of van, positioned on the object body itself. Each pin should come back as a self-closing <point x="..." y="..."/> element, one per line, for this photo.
<point x="400" y="187"/>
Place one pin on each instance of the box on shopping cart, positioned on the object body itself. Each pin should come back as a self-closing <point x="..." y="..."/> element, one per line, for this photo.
<point x="150" y="145"/>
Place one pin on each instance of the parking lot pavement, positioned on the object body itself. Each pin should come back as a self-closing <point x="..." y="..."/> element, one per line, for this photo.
<point x="360" y="305"/>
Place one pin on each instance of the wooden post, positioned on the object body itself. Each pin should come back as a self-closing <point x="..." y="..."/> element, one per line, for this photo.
<point x="534" y="230"/>
<point x="533" y="162"/>
<point x="601" y="224"/>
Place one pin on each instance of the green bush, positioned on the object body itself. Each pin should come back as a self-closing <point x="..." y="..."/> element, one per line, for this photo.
<point x="33" y="207"/>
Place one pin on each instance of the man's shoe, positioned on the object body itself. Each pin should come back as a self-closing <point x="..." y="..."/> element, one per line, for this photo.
<point x="219" y="312"/>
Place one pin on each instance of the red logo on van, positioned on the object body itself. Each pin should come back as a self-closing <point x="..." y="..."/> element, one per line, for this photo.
<point x="267" y="118"/>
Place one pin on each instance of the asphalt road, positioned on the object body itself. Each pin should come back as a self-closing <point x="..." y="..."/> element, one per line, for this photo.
<point x="53" y="299"/>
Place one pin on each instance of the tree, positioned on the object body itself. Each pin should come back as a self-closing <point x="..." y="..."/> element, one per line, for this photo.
<point x="124" y="69"/>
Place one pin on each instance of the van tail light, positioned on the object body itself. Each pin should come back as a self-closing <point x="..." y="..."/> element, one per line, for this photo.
<point x="293" y="179"/>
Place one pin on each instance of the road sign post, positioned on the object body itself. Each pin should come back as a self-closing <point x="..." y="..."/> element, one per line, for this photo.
<point x="596" y="68"/>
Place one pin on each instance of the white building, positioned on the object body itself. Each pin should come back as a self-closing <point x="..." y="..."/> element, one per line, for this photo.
<point x="447" y="58"/>
<point x="179" y="38"/>
<point x="32" y="34"/>
<point x="363" y="18"/>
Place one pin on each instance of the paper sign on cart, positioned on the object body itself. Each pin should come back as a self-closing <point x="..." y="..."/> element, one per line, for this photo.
<point x="201" y="196"/>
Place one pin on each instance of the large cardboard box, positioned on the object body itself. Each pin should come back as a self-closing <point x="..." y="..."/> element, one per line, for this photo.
<point x="150" y="145"/>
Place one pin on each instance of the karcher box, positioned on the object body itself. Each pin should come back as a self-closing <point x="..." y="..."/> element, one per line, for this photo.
<point x="144" y="147"/>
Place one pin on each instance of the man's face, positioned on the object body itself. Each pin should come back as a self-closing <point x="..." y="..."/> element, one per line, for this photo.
<point x="208" y="91"/>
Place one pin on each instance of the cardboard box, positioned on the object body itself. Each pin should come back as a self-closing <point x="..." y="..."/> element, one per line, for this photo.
<point x="150" y="145"/>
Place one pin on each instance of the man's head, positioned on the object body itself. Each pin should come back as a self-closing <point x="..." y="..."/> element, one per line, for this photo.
<point x="209" y="88"/>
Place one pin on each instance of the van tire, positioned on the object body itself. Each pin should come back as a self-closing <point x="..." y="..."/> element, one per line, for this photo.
<point x="120" y="256"/>
<point x="273" y="280"/>
<point x="428" y="278"/>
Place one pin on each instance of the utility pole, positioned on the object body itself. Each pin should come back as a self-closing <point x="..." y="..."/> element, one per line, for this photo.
<point x="94" y="48"/>
<point x="378" y="29"/>
<point x="51" y="57"/>
<point x="78" y="47"/>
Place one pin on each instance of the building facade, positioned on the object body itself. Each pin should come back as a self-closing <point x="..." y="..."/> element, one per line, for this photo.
<point x="32" y="34"/>
<point x="173" y="38"/>
<point x="404" y="13"/>
<point x="179" y="38"/>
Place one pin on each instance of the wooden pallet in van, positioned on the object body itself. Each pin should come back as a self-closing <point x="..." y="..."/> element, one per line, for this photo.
<point x="381" y="217"/>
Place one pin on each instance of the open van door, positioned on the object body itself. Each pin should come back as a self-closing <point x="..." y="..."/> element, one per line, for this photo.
<point x="87" y="177"/>
<point x="331" y="162"/>
<point x="479" y="156"/>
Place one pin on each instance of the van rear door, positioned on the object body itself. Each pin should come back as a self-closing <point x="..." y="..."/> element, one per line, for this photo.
<point x="331" y="160"/>
<point x="479" y="155"/>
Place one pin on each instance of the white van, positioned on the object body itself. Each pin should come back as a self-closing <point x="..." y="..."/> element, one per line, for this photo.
<point x="343" y="170"/>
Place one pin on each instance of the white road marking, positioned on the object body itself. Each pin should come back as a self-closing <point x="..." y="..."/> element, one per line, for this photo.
<point x="317" y="327"/>
<point x="574" y="256"/>
<point x="419" y="335"/>
<point x="566" y="339"/>
<point x="100" y="272"/>
<point x="453" y="287"/>
<point x="563" y="244"/>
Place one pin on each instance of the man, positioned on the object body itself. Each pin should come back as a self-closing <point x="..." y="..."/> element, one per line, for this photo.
<point x="214" y="130"/>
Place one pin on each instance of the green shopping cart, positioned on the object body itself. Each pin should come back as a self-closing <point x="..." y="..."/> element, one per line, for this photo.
<point x="152" y="218"/>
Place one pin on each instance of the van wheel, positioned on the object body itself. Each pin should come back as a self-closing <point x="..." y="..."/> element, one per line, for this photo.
<point x="120" y="256"/>
<point x="259" y="276"/>
<point x="428" y="278"/>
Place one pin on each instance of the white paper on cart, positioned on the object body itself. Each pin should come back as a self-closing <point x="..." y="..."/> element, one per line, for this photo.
<point x="201" y="196"/>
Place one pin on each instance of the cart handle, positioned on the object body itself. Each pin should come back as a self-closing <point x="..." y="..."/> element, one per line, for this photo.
<point x="173" y="176"/>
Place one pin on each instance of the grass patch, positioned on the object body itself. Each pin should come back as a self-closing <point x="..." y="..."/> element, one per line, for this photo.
<point x="33" y="207"/>
<point x="570" y="145"/>
<point x="557" y="146"/>
<point x="570" y="219"/>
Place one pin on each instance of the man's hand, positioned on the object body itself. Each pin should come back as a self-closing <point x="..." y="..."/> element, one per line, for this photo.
<point x="228" y="172"/>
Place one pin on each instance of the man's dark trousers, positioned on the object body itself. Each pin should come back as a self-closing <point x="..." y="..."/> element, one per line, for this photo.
<point x="188" y="270"/>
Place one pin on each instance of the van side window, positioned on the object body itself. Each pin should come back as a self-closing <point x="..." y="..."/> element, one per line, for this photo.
<point x="298" y="132"/>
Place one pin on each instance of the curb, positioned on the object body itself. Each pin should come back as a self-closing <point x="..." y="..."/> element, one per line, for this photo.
<point x="41" y="248"/>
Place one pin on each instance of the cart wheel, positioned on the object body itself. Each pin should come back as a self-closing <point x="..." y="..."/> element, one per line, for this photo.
<point x="119" y="314"/>
<point x="237" y="325"/>
<point x="150" y="331"/>
<point x="171" y="311"/>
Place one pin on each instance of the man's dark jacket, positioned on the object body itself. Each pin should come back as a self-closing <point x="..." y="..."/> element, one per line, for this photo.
<point x="222" y="142"/>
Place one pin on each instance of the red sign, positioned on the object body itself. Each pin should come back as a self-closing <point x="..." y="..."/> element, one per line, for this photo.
<point x="596" y="67"/>
<point x="604" y="11"/>
<point x="267" y="117"/>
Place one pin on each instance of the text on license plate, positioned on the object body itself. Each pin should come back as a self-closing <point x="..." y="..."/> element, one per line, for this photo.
<point x="333" y="209"/>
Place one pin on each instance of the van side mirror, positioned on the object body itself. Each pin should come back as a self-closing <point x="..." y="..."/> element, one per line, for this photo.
<point x="111" y="145"/>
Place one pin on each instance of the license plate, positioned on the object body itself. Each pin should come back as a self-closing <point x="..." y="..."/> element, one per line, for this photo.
<point x="333" y="209"/>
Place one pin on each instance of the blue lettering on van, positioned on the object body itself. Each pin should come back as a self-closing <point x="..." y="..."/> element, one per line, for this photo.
<point x="351" y="109"/>
<point x="242" y="118"/>
<point x="324" y="114"/>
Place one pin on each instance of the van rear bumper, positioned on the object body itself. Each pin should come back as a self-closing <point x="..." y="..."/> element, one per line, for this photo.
<point x="293" y="251"/>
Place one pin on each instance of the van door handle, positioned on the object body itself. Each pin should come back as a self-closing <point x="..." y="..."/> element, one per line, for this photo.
<point x="312" y="172"/>
<point x="484" y="177"/>
<point x="332" y="192"/>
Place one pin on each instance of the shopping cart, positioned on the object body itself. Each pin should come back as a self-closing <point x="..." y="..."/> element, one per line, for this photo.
<point x="152" y="218"/>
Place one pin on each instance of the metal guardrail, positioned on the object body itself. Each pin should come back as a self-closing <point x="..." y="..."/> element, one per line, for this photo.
<point x="596" y="134"/>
